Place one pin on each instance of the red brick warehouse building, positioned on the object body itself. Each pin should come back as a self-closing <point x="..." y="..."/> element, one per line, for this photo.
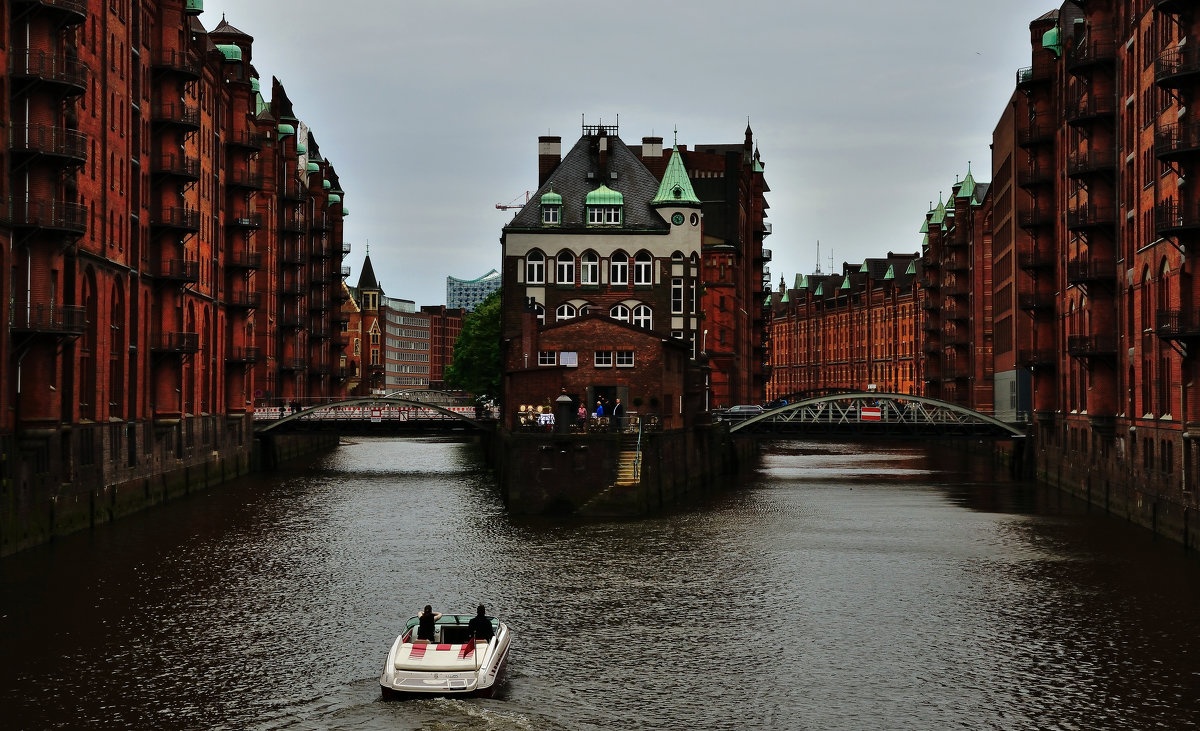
<point x="172" y="246"/>
<point x="615" y="243"/>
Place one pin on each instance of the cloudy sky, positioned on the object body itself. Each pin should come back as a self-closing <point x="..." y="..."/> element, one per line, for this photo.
<point x="430" y="111"/>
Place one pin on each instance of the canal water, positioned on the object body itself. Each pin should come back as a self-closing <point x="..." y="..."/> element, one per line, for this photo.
<point x="842" y="587"/>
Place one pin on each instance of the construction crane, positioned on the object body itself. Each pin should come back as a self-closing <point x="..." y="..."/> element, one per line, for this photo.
<point x="513" y="203"/>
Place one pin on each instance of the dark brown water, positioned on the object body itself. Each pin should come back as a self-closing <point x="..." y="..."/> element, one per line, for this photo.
<point x="844" y="587"/>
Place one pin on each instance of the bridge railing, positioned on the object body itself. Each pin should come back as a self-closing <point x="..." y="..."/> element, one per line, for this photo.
<point x="364" y="413"/>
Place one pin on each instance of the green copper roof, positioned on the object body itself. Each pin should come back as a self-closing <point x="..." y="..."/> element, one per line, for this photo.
<point x="604" y="196"/>
<point x="891" y="273"/>
<point x="231" y="52"/>
<point x="254" y="83"/>
<point x="925" y="240"/>
<point x="820" y="290"/>
<point x="285" y="130"/>
<point x="345" y="211"/>
<point x="925" y="224"/>
<point x="1051" y="42"/>
<point x="314" y="167"/>
<point x="195" y="6"/>
<point x="912" y="267"/>
<point x="967" y="189"/>
<point x="939" y="213"/>
<point x="784" y="299"/>
<point x="863" y="269"/>
<point x="767" y="300"/>
<point x="334" y="198"/>
<point x="301" y="148"/>
<point x="801" y="282"/>
<point x="326" y="185"/>
<point x="260" y="104"/>
<point x="845" y="283"/>
<point x="758" y="168"/>
<point x="675" y="188"/>
<point x="550" y="198"/>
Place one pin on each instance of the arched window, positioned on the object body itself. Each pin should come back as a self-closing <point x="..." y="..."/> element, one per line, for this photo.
<point x="540" y="311"/>
<point x="566" y="268"/>
<point x="535" y="267"/>
<point x="565" y="312"/>
<point x="589" y="268"/>
<point x="618" y="268"/>
<point x="643" y="268"/>
<point x="619" y="312"/>
<point x="642" y="317"/>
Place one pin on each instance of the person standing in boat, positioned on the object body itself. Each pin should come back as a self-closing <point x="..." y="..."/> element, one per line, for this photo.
<point x="426" y="619"/>
<point x="481" y="626"/>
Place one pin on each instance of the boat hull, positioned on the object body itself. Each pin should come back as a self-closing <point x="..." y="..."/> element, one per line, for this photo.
<point x="416" y="669"/>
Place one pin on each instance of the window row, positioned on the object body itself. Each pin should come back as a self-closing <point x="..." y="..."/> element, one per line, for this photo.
<point x="600" y="358"/>
<point x="589" y="268"/>
<point x="640" y="315"/>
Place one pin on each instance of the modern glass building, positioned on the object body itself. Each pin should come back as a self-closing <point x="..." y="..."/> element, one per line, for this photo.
<point x="467" y="293"/>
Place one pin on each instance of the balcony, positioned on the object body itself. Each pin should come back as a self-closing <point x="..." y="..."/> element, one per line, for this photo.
<point x="68" y="145"/>
<point x="321" y="222"/>
<point x="956" y="262"/>
<point x="957" y="289"/>
<point x="318" y="305"/>
<point x="178" y="270"/>
<point x="62" y="72"/>
<point x="244" y="180"/>
<point x="181" y="166"/>
<point x="70" y="218"/>
<point x="293" y="321"/>
<point x="292" y="258"/>
<point x="345" y="248"/>
<point x="1037" y="358"/>
<point x="1092" y="346"/>
<point x="1174" y="219"/>
<point x="955" y="372"/>
<point x="1087" y="109"/>
<point x="47" y="319"/>
<point x="1032" y="76"/>
<point x="185" y="64"/>
<point x="245" y="220"/>
<point x="247" y="140"/>
<point x="176" y="114"/>
<point x="765" y="255"/>
<point x="1087" y="216"/>
<point x="345" y="272"/>
<point x="1091" y="52"/>
<point x="1179" y="325"/>
<point x="1092" y="162"/>
<point x="244" y="260"/>
<point x="1177" y="142"/>
<point x="1032" y="259"/>
<point x="1035" y="219"/>
<point x="1177" y="67"/>
<point x="184" y="219"/>
<point x="1035" y="302"/>
<point x="66" y="12"/>
<point x="244" y="300"/>
<point x="1091" y="271"/>
<point x="243" y="354"/>
<point x="319" y="369"/>
<point x="930" y="260"/>
<point x="1035" y="177"/>
<point x="321" y="250"/>
<point x="177" y="343"/>
<point x="931" y="347"/>
<point x="1038" y="134"/>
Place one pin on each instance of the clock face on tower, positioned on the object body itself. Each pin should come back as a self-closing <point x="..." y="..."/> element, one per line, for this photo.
<point x="677" y="219"/>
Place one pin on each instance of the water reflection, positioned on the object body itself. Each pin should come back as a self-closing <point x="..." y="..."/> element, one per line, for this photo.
<point x="844" y="587"/>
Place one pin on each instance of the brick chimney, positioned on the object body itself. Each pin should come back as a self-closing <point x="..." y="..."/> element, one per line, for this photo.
<point x="549" y="156"/>
<point x="652" y="156"/>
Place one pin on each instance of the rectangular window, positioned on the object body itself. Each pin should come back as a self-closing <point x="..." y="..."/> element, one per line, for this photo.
<point x="550" y="214"/>
<point x="618" y="271"/>
<point x="547" y="358"/>
<point x="568" y="358"/>
<point x="624" y="358"/>
<point x="677" y="296"/>
<point x="603" y="358"/>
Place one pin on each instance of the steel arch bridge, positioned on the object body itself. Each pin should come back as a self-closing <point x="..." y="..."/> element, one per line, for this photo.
<point x="875" y="414"/>
<point x="314" y="413"/>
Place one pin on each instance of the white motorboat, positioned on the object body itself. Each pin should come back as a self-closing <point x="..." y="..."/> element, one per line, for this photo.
<point x="454" y="663"/>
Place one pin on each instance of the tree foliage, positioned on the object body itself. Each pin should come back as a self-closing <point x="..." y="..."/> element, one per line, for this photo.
<point x="476" y="368"/>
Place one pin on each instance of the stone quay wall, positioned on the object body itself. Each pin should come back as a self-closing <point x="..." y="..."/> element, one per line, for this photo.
<point x="55" y="484"/>
<point x="555" y="474"/>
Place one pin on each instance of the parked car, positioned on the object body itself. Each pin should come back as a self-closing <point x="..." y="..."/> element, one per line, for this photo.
<point x="740" y="413"/>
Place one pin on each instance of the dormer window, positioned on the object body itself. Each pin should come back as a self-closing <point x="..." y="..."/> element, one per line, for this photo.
<point x="551" y="207"/>
<point x="604" y="207"/>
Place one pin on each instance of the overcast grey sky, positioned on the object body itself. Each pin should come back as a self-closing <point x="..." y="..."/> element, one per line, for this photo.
<point x="430" y="111"/>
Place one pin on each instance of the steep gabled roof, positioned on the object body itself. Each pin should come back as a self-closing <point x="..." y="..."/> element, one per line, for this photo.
<point x="366" y="279"/>
<point x="676" y="187"/>
<point x="580" y="173"/>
